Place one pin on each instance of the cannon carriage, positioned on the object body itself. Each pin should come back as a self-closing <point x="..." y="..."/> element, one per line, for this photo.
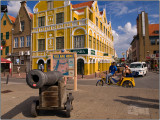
<point x="52" y="92"/>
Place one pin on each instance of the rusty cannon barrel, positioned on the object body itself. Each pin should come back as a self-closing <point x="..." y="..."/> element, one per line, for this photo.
<point x="37" y="79"/>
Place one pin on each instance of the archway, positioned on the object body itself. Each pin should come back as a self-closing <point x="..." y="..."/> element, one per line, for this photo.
<point x="80" y="66"/>
<point x="39" y="64"/>
<point x="48" y="65"/>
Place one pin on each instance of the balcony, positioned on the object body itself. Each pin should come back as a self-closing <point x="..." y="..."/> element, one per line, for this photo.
<point x="59" y="26"/>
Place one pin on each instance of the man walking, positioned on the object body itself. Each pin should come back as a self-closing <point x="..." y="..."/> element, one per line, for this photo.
<point x="112" y="70"/>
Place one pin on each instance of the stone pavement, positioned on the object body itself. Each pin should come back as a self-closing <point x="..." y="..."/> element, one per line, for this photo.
<point x="90" y="102"/>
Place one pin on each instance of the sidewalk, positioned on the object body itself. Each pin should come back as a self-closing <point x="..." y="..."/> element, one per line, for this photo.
<point x="14" y="75"/>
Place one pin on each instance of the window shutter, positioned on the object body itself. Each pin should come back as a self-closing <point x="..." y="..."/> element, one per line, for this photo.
<point x="7" y="50"/>
<point x="7" y="35"/>
<point x="1" y="36"/>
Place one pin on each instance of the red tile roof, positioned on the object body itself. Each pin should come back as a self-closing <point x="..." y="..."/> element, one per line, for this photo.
<point x="89" y="4"/>
<point x="12" y="18"/>
<point x="31" y="15"/>
<point x="152" y="29"/>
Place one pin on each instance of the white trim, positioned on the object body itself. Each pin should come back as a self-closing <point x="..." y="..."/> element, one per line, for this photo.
<point x="77" y="29"/>
<point x="40" y="59"/>
<point x="82" y="59"/>
<point x="79" y="13"/>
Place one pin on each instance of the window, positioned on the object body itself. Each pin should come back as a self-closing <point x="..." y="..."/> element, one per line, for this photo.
<point x="59" y="18"/>
<point x="97" y="45"/>
<point x="22" y="41"/>
<point x="22" y="25"/>
<point x="1" y="36"/>
<point x="4" y="22"/>
<point x="155" y="52"/>
<point x="41" y="44"/>
<point x="105" y="20"/>
<point x="100" y="46"/>
<point x="22" y="60"/>
<point x="60" y="43"/>
<point x="75" y="18"/>
<point x="7" y="50"/>
<point x="104" y="29"/>
<point x="96" y="21"/>
<point x="96" y="8"/>
<point x="28" y="41"/>
<point x="50" y="5"/>
<point x="106" y="32"/>
<point x="90" y="41"/>
<point x="101" y="25"/>
<point x="1" y="52"/>
<point x="94" y="40"/>
<point x="157" y="41"/>
<point x="90" y="15"/>
<point x="156" y="32"/>
<point x="7" y="35"/>
<point x="153" y="41"/>
<point x="41" y="21"/>
<point x="16" y="42"/>
<point x="79" y="41"/>
<point x="16" y="60"/>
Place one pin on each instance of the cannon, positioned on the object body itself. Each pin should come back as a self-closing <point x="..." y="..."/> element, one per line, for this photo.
<point x="52" y="92"/>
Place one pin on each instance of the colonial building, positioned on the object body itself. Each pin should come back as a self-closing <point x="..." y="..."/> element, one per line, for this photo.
<point x="6" y="35"/>
<point x="145" y="45"/>
<point x="7" y="22"/>
<point x="80" y="28"/>
<point x="129" y="55"/>
<point x="22" y="39"/>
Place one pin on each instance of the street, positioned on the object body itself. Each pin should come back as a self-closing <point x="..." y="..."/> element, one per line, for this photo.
<point x="90" y="101"/>
<point x="149" y="81"/>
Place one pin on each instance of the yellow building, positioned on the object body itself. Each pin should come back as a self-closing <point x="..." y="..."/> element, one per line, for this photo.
<point x="6" y="35"/>
<point x="80" y="28"/>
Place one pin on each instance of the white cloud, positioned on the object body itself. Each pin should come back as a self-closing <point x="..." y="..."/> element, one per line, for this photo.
<point x="122" y="41"/>
<point x="14" y="6"/>
<point x="154" y="15"/>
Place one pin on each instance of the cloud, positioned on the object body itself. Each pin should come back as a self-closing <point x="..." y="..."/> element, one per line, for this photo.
<point x="154" y="16"/>
<point x="14" y="6"/>
<point x="123" y="37"/>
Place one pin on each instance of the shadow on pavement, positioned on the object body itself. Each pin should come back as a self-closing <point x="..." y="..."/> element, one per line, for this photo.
<point x="140" y="98"/>
<point x="138" y="104"/>
<point x="25" y="109"/>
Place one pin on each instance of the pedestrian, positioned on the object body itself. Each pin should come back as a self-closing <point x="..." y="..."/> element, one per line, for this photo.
<point x="112" y="71"/>
<point x="41" y="67"/>
<point x="156" y="66"/>
<point x="18" y="70"/>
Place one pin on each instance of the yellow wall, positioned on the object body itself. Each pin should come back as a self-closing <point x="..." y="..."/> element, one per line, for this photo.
<point x="6" y="28"/>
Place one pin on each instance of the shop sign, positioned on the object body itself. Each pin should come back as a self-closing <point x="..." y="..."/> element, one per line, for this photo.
<point x="105" y="54"/>
<point x="123" y="59"/>
<point x="147" y="57"/>
<point x="80" y="51"/>
<point x="92" y="52"/>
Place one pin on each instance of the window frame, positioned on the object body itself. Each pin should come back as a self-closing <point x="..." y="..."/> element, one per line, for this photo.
<point x="28" y="41"/>
<point x="1" y="36"/>
<point x="59" y="43"/>
<point x="96" y="21"/>
<point x="59" y="19"/>
<point x="42" y="44"/>
<point x="41" y="22"/>
<point x="22" y="41"/>
<point x="4" y="22"/>
<point x="79" y="41"/>
<point x="16" y="42"/>
<point x="7" y="50"/>
<point x="22" y="25"/>
<point x="7" y="35"/>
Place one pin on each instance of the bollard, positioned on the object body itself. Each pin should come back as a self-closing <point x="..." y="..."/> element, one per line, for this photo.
<point x="95" y="74"/>
<point x="7" y="79"/>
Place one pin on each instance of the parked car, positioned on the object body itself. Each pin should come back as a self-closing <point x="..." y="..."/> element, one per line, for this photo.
<point x="139" y="67"/>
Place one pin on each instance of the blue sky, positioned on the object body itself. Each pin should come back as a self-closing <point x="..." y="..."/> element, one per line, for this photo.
<point x="122" y="14"/>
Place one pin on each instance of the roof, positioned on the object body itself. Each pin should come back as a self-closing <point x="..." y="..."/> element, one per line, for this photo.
<point x="12" y="18"/>
<point x="89" y="4"/>
<point x="5" y="61"/>
<point x="152" y="29"/>
<point x="31" y="15"/>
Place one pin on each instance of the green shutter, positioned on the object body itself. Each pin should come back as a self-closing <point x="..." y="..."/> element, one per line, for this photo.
<point x="1" y="52"/>
<point x="7" y="50"/>
<point x="7" y="35"/>
<point x="4" y="22"/>
<point x="1" y="36"/>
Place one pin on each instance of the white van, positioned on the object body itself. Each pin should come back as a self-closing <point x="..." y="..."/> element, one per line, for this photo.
<point x="139" y="67"/>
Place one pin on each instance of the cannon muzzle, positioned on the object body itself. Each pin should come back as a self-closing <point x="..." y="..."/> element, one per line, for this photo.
<point x="37" y="79"/>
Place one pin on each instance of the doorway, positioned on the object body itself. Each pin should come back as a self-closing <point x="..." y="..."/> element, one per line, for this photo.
<point x="80" y="66"/>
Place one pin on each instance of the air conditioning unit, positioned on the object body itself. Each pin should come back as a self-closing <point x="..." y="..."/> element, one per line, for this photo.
<point x="21" y="53"/>
<point x="27" y="52"/>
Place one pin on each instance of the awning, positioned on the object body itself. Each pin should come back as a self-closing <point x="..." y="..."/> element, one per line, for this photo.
<point x="5" y="61"/>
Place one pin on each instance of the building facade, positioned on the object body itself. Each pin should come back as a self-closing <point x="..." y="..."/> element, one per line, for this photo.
<point x="22" y="39"/>
<point x="145" y="45"/>
<point x="80" y="28"/>
<point x="129" y="55"/>
<point x="7" y="22"/>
